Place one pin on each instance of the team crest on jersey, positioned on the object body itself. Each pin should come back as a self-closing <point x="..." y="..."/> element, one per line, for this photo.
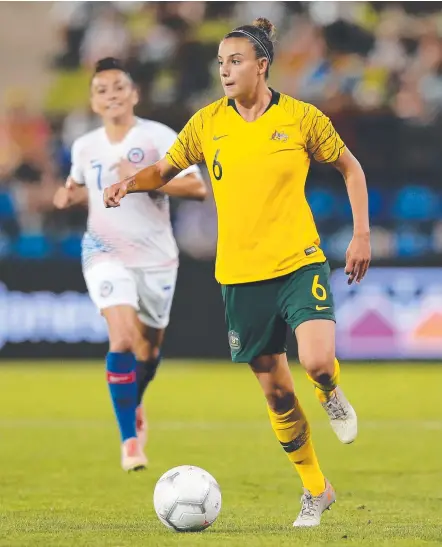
<point x="234" y="341"/>
<point x="135" y="155"/>
<point x="277" y="136"/>
<point x="106" y="289"/>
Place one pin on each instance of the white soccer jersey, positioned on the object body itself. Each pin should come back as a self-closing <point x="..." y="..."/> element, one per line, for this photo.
<point x="139" y="232"/>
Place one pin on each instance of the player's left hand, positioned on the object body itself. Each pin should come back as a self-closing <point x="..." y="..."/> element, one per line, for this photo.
<point x="357" y="258"/>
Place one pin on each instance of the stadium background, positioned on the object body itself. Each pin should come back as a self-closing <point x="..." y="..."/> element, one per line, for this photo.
<point x="375" y="68"/>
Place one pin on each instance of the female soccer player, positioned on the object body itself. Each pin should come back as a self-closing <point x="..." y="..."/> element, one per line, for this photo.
<point x="129" y="256"/>
<point x="257" y="144"/>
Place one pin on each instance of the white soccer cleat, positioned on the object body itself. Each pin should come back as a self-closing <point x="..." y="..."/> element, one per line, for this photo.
<point x="342" y="416"/>
<point x="141" y="425"/>
<point x="132" y="455"/>
<point x="313" y="506"/>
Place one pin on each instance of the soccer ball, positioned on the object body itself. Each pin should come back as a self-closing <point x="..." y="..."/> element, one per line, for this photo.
<point x="187" y="499"/>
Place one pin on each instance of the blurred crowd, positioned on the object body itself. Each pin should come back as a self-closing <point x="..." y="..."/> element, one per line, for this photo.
<point x="374" y="67"/>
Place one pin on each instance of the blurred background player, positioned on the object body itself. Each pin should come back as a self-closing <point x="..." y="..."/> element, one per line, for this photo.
<point x="129" y="256"/>
<point x="257" y="144"/>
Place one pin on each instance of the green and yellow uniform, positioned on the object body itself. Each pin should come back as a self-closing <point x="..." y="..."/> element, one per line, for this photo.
<point x="269" y="261"/>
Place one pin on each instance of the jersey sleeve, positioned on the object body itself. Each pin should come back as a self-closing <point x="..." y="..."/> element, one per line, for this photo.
<point x="187" y="148"/>
<point x="77" y="171"/>
<point x="166" y="138"/>
<point x="322" y="140"/>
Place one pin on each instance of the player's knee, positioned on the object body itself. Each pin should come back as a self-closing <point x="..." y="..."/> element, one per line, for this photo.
<point x="145" y="351"/>
<point x="123" y="342"/>
<point x="319" y="366"/>
<point x="149" y="352"/>
<point x="280" y="400"/>
<point x="141" y="348"/>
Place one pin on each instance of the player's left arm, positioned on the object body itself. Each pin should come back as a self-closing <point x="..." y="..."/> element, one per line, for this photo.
<point x="358" y="254"/>
<point x="326" y="146"/>
<point x="186" y="185"/>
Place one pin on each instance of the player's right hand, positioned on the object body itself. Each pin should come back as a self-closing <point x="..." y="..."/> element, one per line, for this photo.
<point x="113" y="194"/>
<point x="63" y="196"/>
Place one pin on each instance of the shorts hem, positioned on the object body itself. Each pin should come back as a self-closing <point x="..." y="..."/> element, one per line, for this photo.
<point x="248" y="361"/>
<point x="296" y="324"/>
<point x="152" y="324"/>
<point x="114" y="304"/>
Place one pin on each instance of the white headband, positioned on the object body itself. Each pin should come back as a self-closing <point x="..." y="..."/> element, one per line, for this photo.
<point x="257" y="40"/>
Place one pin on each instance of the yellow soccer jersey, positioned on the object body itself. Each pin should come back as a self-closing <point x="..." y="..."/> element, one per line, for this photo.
<point x="258" y="171"/>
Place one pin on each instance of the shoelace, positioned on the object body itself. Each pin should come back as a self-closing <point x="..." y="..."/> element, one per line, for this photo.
<point x="309" y="505"/>
<point x="335" y="408"/>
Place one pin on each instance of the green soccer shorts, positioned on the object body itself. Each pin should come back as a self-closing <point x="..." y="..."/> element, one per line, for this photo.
<point x="257" y="314"/>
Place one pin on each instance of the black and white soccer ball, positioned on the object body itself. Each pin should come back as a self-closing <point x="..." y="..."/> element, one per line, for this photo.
<point x="187" y="499"/>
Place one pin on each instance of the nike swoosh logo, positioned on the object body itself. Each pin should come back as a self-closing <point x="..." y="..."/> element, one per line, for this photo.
<point x="220" y="137"/>
<point x="319" y="308"/>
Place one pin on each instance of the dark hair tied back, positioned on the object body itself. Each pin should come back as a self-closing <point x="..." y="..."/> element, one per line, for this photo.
<point x="260" y="34"/>
<point x="265" y="26"/>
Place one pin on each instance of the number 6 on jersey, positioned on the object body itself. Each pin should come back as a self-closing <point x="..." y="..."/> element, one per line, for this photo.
<point x="217" y="168"/>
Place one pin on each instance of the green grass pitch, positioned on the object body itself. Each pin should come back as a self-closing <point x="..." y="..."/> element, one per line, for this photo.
<point x="61" y="484"/>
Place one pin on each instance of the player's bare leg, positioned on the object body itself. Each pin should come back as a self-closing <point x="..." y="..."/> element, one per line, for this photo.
<point x="148" y="353"/>
<point x="316" y="349"/>
<point x="141" y="425"/>
<point x="124" y="337"/>
<point x="293" y="432"/>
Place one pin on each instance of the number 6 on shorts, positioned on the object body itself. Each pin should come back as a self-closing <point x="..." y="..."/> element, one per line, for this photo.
<point x="318" y="290"/>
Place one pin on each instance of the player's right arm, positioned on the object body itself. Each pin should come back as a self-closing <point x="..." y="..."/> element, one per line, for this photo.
<point x="70" y="194"/>
<point x="185" y="151"/>
<point x="74" y="192"/>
